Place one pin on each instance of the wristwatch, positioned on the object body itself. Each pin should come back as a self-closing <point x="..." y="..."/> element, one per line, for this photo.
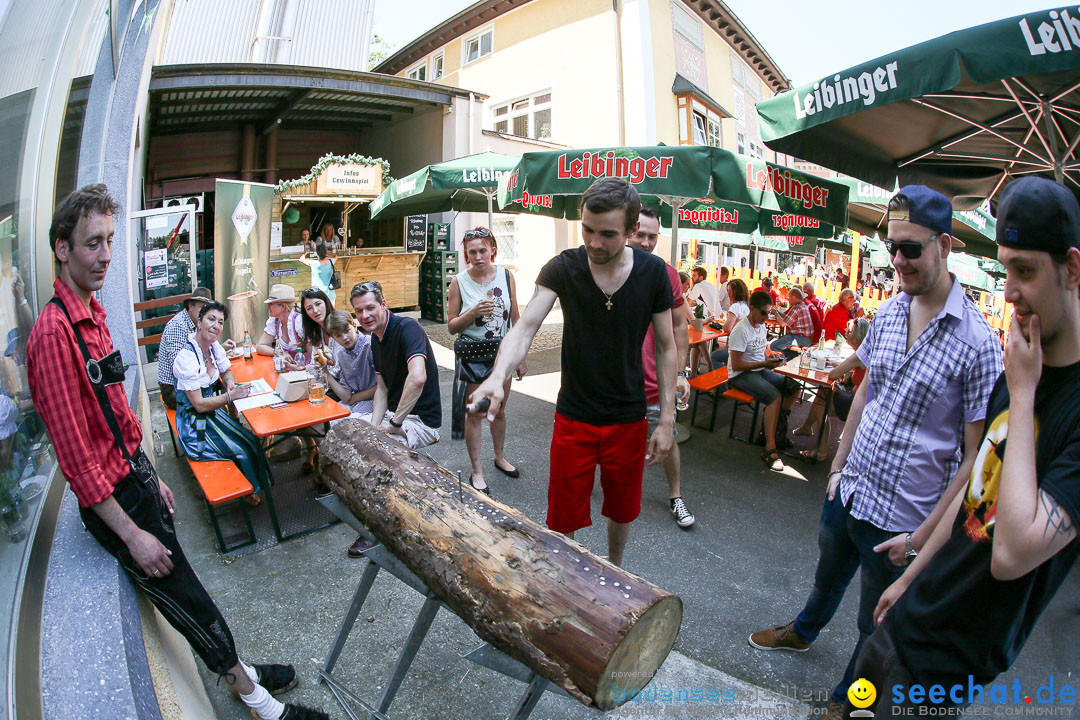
<point x="684" y="373"/>
<point x="910" y="553"/>
<point x="394" y="424"/>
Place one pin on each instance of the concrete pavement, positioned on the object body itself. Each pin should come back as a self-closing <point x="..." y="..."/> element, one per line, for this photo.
<point x="746" y="564"/>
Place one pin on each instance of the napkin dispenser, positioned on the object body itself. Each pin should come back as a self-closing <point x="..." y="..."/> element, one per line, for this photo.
<point x="292" y="386"/>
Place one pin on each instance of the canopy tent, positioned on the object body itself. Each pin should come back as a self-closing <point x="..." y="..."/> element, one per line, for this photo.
<point x="961" y="113"/>
<point x="465" y="184"/>
<point x="702" y="186"/>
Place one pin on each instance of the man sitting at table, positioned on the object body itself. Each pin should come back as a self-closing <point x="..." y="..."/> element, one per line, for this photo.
<point x="407" y="405"/>
<point x="751" y="371"/>
<point x="817" y="308"/>
<point x="798" y="323"/>
<point x="767" y="286"/>
<point x="839" y="315"/>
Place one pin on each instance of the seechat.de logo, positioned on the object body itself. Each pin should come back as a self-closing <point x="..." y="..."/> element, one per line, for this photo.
<point x="862" y="694"/>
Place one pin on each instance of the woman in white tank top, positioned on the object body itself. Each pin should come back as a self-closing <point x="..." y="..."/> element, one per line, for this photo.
<point x="483" y="306"/>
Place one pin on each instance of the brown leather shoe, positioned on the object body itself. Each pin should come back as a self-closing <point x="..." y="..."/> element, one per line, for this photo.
<point x="783" y="637"/>
<point x="356" y="550"/>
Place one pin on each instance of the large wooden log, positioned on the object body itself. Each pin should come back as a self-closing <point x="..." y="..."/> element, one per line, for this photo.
<point x="582" y="623"/>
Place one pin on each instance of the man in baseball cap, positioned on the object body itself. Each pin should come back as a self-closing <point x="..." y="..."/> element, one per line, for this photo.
<point x="932" y="361"/>
<point x="175" y="336"/>
<point x="1008" y="541"/>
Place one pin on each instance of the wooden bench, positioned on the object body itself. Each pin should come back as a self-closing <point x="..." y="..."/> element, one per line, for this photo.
<point x="710" y="383"/>
<point x="221" y="483"/>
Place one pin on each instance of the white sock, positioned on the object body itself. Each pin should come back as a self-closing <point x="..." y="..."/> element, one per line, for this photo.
<point x="263" y="703"/>
<point x="252" y="675"/>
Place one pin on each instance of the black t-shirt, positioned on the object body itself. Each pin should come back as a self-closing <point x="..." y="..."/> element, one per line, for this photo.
<point x="957" y="620"/>
<point x="602" y="379"/>
<point x="403" y="340"/>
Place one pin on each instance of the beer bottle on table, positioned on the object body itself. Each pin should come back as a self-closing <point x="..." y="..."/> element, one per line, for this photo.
<point x="247" y="345"/>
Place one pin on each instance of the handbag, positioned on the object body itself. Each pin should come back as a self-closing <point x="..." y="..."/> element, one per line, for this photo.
<point x="476" y="357"/>
<point x="335" y="277"/>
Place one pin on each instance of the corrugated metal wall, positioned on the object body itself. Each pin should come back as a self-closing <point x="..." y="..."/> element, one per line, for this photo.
<point x="324" y="33"/>
<point x="329" y="33"/>
<point x="29" y="32"/>
<point x="210" y="31"/>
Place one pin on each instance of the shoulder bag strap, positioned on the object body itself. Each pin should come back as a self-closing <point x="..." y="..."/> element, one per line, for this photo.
<point x="92" y="371"/>
<point x="510" y="295"/>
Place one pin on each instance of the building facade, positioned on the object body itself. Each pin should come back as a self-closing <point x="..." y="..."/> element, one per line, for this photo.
<point x="589" y="73"/>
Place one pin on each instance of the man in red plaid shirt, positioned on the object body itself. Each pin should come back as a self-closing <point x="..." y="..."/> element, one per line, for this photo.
<point x="76" y="381"/>
<point x="798" y="322"/>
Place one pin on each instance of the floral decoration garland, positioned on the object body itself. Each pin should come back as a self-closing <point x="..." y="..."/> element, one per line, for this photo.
<point x="330" y="159"/>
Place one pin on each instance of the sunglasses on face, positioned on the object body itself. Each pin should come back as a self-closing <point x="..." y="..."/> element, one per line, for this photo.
<point x="910" y="250"/>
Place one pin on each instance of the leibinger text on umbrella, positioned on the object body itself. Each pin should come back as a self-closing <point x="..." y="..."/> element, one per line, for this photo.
<point x="1054" y="35"/>
<point x="841" y="91"/>
<point x="772" y="179"/>
<point x="786" y="222"/>
<point x="482" y="175"/>
<point x="636" y="170"/>
<point x="719" y="216"/>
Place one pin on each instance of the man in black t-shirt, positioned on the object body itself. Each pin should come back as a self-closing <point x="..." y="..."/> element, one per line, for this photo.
<point x="610" y="294"/>
<point x="961" y="612"/>
<point x="407" y="405"/>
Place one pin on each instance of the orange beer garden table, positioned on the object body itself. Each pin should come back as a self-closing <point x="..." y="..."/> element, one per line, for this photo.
<point x="817" y="378"/>
<point x="299" y="419"/>
<point x="706" y="334"/>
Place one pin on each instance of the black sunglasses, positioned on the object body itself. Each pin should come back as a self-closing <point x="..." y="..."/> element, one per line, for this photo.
<point x="910" y="250"/>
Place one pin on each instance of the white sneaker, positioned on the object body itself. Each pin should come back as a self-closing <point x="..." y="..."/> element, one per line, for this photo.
<point x="683" y="518"/>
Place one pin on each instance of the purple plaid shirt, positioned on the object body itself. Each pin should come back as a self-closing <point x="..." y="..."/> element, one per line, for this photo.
<point x="910" y="439"/>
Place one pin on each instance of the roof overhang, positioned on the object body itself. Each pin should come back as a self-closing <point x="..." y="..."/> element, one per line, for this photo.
<point x="187" y="98"/>
<point x="464" y="22"/>
<point x="682" y="86"/>
<point x="721" y="19"/>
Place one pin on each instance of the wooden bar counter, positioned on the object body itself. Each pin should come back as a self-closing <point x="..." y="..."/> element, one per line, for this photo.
<point x="397" y="272"/>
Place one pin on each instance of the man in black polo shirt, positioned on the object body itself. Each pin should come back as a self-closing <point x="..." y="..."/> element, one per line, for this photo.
<point x="407" y="400"/>
<point x="610" y="294"/>
<point x="407" y="403"/>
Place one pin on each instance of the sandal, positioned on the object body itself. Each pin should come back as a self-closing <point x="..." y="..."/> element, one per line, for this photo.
<point x="253" y="500"/>
<point x="772" y="459"/>
<point x="486" y="489"/>
<point x="813" y="456"/>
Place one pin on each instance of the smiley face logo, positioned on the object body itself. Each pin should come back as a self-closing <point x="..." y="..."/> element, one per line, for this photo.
<point x="862" y="693"/>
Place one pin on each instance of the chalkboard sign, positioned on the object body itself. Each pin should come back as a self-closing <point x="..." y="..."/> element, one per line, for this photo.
<point x="416" y="233"/>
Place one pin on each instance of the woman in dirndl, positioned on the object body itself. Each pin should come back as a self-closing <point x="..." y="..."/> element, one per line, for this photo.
<point x="482" y="306"/>
<point x="205" y="386"/>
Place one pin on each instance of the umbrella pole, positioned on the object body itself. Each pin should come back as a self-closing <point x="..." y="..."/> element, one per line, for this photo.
<point x="491" y="221"/>
<point x="675" y="204"/>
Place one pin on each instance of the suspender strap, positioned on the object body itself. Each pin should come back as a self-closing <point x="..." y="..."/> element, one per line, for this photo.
<point x="93" y="370"/>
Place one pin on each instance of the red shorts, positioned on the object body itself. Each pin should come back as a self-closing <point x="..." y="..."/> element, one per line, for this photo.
<point x="576" y="449"/>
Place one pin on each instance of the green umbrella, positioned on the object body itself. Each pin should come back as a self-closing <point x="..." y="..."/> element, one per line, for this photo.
<point x="466" y="184"/>
<point x="708" y="187"/>
<point x="868" y="209"/>
<point x="960" y="113"/>
<point x="969" y="272"/>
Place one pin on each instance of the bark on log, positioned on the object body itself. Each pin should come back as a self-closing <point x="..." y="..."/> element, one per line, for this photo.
<point x="592" y="628"/>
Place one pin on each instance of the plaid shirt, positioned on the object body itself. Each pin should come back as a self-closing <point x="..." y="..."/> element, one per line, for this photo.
<point x="799" y="320"/>
<point x="173" y="339"/>
<point x="910" y="439"/>
<point x="88" y="455"/>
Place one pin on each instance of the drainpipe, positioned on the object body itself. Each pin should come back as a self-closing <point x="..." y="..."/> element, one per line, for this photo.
<point x="617" y="7"/>
<point x="247" y="154"/>
<point x="270" y="177"/>
<point x="469" y="144"/>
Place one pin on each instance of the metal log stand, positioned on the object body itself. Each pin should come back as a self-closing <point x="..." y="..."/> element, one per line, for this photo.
<point x="486" y="656"/>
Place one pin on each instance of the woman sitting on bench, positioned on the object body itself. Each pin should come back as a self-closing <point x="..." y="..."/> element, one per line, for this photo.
<point x="205" y="430"/>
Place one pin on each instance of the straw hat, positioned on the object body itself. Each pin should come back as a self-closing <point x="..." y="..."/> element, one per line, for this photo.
<point x="281" y="293"/>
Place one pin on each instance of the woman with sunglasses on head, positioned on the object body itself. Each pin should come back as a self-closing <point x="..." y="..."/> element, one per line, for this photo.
<point x="204" y="428"/>
<point x="482" y="306"/>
